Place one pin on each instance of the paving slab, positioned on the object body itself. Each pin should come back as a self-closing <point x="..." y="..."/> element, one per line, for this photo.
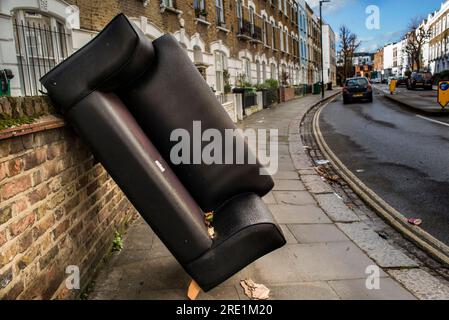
<point x="376" y="247"/>
<point x="356" y="289"/>
<point x="288" y="185"/>
<point x="315" y="184"/>
<point x="293" y="197"/>
<point x="291" y="214"/>
<point x="423" y="285"/>
<point x="335" y="208"/>
<point x="305" y="172"/>
<point x="319" y="290"/>
<point x="141" y="236"/>
<point x="330" y="261"/>
<point x="288" y="234"/>
<point x="286" y="175"/>
<point x="313" y="233"/>
<point x="269" y="198"/>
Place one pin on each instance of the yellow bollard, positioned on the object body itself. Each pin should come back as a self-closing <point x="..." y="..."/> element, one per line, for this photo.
<point x="443" y="93"/>
<point x="393" y="86"/>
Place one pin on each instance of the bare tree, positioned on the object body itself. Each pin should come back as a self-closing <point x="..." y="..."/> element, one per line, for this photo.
<point x="416" y="37"/>
<point x="349" y="44"/>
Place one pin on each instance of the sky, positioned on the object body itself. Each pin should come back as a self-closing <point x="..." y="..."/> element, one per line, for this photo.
<point x="394" y="17"/>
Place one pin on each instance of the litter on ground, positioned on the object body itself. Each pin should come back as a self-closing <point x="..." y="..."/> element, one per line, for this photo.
<point x="414" y="221"/>
<point x="255" y="291"/>
<point x="322" y="162"/>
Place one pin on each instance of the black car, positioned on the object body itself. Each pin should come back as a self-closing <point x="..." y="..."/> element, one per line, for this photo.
<point x="420" y="80"/>
<point x="402" y="81"/>
<point x="357" y="89"/>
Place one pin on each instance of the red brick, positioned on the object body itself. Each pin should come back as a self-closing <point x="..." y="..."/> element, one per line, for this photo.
<point x="12" y="188"/>
<point x="55" y="150"/>
<point x="39" y="194"/>
<point x="25" y="241"/>
<point x="8" y="254"/>
<point x="61" y="228"/>
<point x="42" y="226"/>
<point x="15" y="167"/>
<point x="19" y="206"/>
<point x="2" y="237"/>
<point x="2" y="171"/>
<point x="35" y="158"/>
<point x="18" y="227"/>
<point x="48" y="257"/>
<point x="5" y="214"/>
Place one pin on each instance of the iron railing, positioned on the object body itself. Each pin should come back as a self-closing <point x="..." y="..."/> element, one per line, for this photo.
<point x="249" y="99"/>
<point x="39" y="49"/>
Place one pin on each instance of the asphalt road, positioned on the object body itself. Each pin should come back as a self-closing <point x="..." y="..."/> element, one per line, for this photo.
<point x="402" y="156"/>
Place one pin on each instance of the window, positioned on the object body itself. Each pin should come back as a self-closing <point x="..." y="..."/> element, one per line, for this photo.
<point x="273" y="71"/>
<point x="258" y="71"/>
<point x="285" y="7"/>
<point x="281" y="37"/>
<point x="264" y="71"/>
<point x="265" y="31"/>
<point x="197" y="55"/>
<point x="273" y="35"/>
<point x="286" y="40"/>
<point x="251" y="19"/>
<point x="220" y="66"/>
<point x="280" y="5"/>
<point x="167" y="3"/>
<point x="220" y="12"/>
<point x="41" y="43"/>
<point x="200" y="8"/>
<point x="247" y="69"/>
<point x="239" y="9"/>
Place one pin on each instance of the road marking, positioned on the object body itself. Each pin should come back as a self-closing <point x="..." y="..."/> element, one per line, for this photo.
<point x="435" y="121"/>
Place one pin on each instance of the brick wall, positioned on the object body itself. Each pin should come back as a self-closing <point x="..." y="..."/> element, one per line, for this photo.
<point x="95" y="14"/>
<point x="57" y="207"/>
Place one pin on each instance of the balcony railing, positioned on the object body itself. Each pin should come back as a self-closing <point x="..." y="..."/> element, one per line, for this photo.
<point x="244" y="29"/>
<point x="250" y="29"/>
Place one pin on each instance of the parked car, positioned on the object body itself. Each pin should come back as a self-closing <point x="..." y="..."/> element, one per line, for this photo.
<point x="402" y="81"/>
<point x="357" y="88"/>
<point x="376" y="80"/>
<point x="420" y="80"/>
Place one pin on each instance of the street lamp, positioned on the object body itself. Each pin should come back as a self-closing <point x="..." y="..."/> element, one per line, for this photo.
<point x="322" y="54"/>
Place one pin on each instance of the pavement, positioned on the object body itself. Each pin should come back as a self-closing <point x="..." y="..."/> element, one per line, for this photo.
<point x="330" y="248"/>
<point x="419" y="100"/>
<point x="400" y="155"/>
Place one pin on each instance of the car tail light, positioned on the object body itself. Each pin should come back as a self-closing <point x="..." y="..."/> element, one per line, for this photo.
<point x="370" y="88"/>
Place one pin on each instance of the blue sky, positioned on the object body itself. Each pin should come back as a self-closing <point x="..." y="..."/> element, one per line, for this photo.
<point x="395" y="16"/>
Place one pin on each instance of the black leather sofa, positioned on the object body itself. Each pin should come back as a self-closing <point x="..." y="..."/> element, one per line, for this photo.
<point x="124" y="95"/>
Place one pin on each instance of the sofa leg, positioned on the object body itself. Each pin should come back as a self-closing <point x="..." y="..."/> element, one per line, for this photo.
<point x="193" y="290"/>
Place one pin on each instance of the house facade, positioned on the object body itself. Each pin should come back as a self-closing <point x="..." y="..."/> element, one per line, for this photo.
<point x="313" y="46"/>
<point x="329" y="55"/>
<point x="437" y="24"/>
<point x="230" y="41"/>
<point x="303" y="40"/>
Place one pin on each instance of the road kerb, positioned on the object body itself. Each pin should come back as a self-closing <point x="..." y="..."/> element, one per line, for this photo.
<point x="424" y="240"/>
